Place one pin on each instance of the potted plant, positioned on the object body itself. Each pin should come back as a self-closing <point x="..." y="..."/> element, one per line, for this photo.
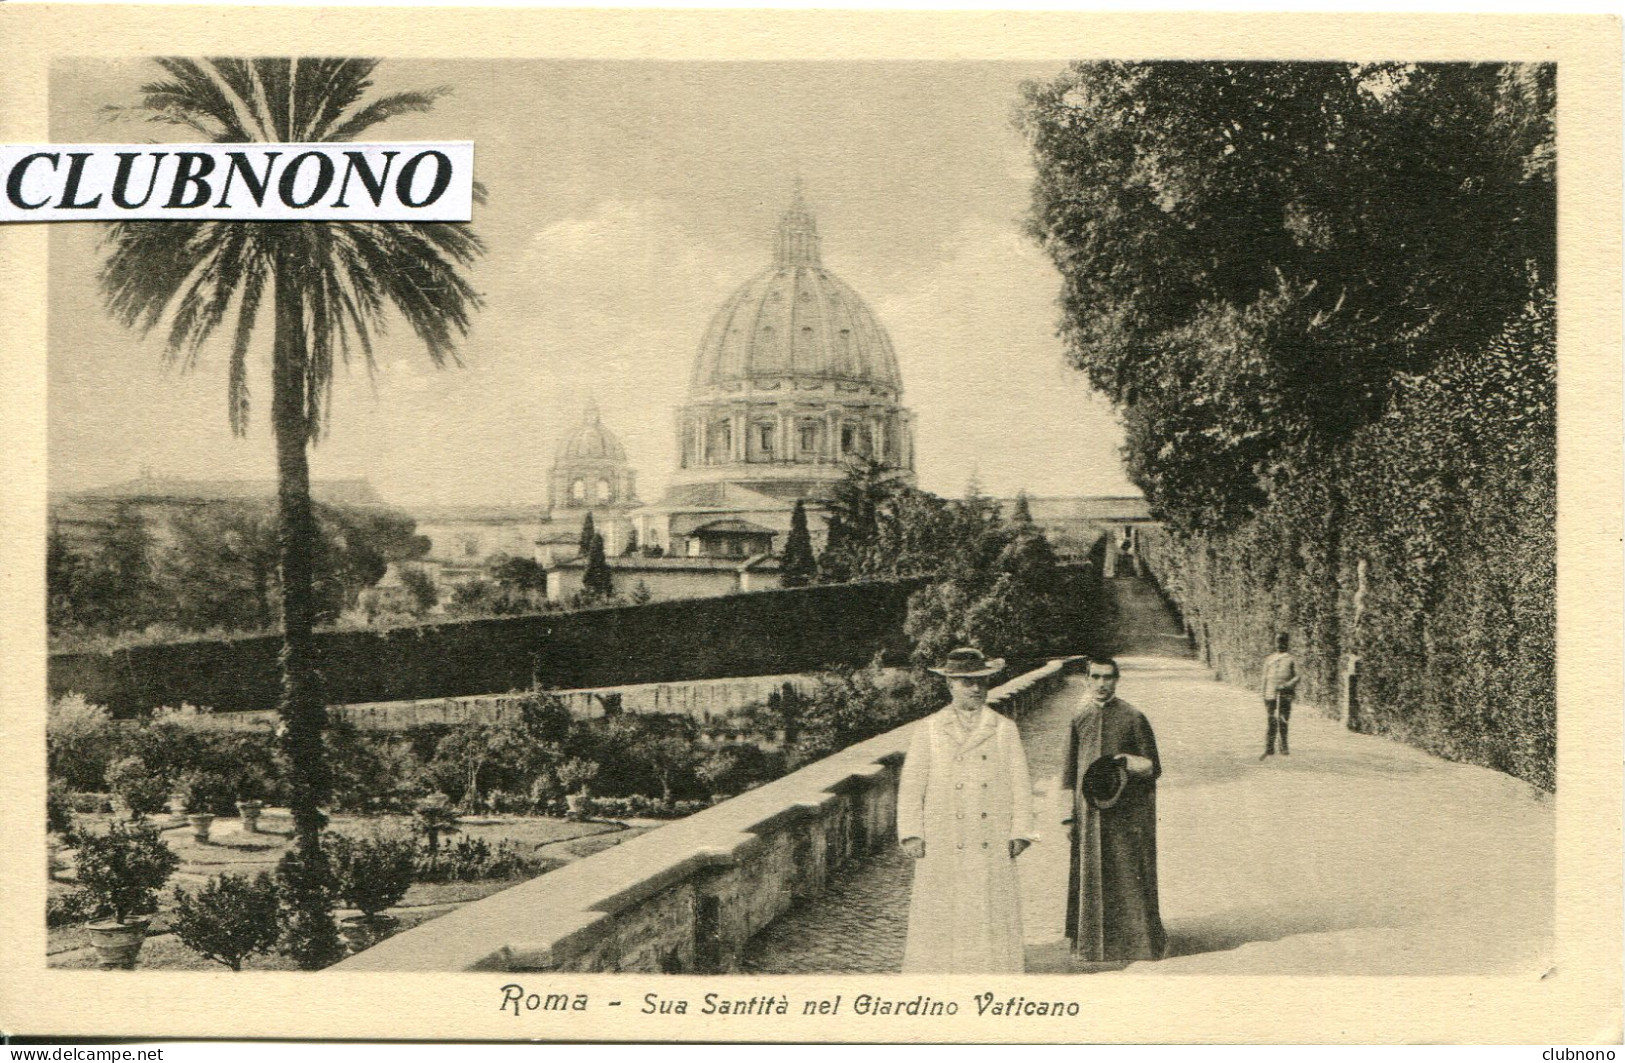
<point x="192" y="789"/>
<point x="576" y="776"/>
<point x="252" y="787"/>
<point x="178" y="804"/>
<point x="137" y="790"/>
<point x="373" y="874"/>
<point x="123" y="870"/>
<point x="210" y="792"/>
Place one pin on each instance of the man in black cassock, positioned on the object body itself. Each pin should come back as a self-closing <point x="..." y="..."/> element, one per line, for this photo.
<point x="1111" y="770"/>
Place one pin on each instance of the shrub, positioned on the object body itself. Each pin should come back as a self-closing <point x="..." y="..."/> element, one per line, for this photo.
<point x="475" y="859"/>
<point x="306" y="890"/>
<point x="513" y="801"/>
<point x="576" y="775"/>
<point x="88" y="802"/>
<point x="142" y="788"/>
<point x="640" y="806"/>
<point x="78" y="740"/>
<point x="253" y="783"/>
<point x="372" y="873"/>
<point x="229" y="919"/>
<point x="433" y="817"/>
<point x="739" y="766"/>
<point x="69" y="909"/>
<point x="206" y="791"/>
<point x="371" y="775"/>
<point x="124" y="869"/>
<point x="58" y="809"/>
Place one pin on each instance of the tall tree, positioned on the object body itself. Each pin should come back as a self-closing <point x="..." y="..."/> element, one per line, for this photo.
<point x="331" y="286"/>
<point x="1253" y="254"/>
<point x="588" y="534"/>
<point x="799" y="566"/>
<point x="850" y="549"/>
<point x="598" y="581"/>
<point x="1022" y="512"/>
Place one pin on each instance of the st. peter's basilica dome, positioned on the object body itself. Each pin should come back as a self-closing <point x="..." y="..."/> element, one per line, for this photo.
<point x="794" y="380"/>
<point x="795" y="322"/>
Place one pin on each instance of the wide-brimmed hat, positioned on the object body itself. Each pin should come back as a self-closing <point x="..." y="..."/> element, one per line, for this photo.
<point x="968" y="663"/>
<point x="1104" y="782"/>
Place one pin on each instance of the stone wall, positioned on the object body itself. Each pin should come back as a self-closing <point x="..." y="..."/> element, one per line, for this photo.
<point x="685" y="898"/>
<point x="703" y="700"/>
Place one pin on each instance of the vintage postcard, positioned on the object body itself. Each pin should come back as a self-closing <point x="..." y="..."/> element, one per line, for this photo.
<point x="810" y="526"/>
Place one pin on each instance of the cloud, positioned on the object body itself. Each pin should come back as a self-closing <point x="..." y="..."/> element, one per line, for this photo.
<point x="985" y="372"/>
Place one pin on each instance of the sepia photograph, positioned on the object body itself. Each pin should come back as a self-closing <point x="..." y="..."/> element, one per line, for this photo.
<point x="850" y="530"/>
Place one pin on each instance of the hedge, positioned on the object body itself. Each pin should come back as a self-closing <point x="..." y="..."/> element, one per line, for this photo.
<point x="1426" y="547"/>
<point x="761" y="633"/>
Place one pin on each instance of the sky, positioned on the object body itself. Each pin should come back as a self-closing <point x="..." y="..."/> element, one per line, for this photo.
<point x="627" y="201"/>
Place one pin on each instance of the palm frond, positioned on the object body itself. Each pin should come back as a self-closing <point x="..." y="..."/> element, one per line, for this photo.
<point x="213" y="89"/>
<point x="237" y="382"/>
<point x="347" y="82"/>
<point x="384" y="108"/>
<point x="342" y="281"/>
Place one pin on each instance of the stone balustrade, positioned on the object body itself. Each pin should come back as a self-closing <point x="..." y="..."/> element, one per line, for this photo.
<point x="688" y="896"/>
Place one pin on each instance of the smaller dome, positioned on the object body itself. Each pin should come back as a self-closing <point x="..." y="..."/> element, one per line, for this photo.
<point x="591" y="441"/>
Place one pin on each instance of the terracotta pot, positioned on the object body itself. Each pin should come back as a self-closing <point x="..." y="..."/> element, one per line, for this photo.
<point x="201" y="822"/>
<point x="117" y="944"/>
<point x="361" y="932"/>
<point x="250" y="811"/>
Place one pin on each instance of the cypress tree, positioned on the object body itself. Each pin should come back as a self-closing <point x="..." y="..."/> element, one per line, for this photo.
<point x="588" y="534"/>
<point x="799" y="566"/>
<point x="597" y="581"/>
<point x="833" y="564"/>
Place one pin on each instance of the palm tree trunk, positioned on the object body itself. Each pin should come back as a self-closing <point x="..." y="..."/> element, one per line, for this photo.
<point x="303" y="708"/>
<point x="310" y="935"/>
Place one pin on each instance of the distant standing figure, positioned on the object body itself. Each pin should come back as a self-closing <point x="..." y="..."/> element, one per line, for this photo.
<point x="1280" y="680"/>
<point x="1112" y="769"/>
<point x="964" y="813"/>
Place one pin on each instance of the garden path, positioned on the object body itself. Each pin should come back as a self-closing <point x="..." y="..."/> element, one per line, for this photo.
<point x="1354" y="855"/>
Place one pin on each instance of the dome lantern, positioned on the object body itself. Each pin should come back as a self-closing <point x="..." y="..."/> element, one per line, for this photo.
<point x="798" y="234"/>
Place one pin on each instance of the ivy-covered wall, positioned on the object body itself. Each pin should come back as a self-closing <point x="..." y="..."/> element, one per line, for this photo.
<point x="1426" y="548"/>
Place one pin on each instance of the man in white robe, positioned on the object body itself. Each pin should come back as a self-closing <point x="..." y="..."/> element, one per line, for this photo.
<point x="964" y="813"/>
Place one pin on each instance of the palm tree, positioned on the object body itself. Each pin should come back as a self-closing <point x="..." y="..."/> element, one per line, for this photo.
<point x="331" y="285"/>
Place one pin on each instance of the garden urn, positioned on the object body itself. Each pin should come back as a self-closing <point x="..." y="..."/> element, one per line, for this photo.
<point x="201" y="822"/>
<point x="118" y="943"/>
<point x="250" y="811"/>
<point x="178" y="804"/>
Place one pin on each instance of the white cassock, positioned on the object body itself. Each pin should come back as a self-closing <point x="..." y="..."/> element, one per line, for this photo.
<point x="965" y="791"/>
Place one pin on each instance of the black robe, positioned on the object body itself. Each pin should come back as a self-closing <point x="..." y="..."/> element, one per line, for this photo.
<point x="1111" y="908"/>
